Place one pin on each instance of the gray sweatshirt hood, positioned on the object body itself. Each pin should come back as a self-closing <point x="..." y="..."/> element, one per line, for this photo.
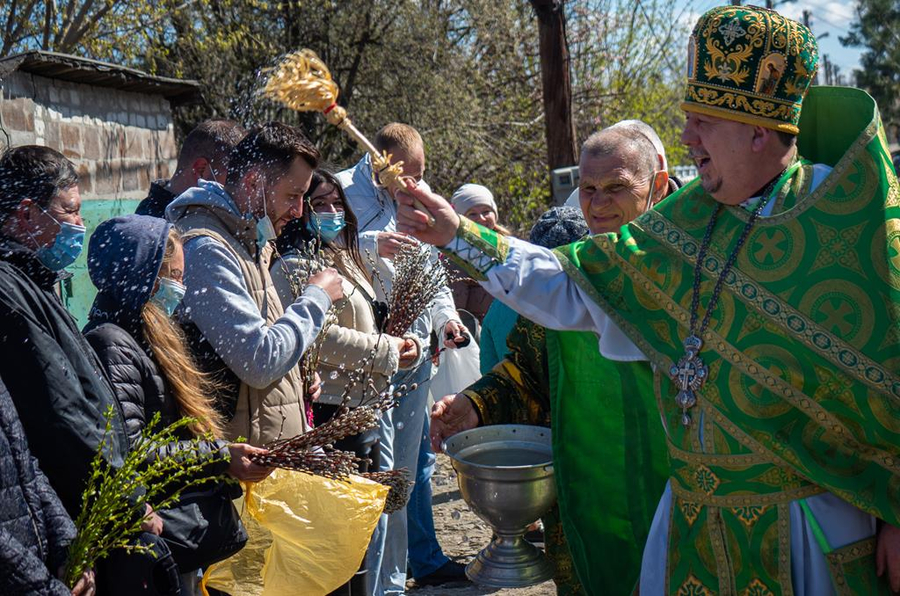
<point x="209" y="195"/>
<point x="211" y="198"/>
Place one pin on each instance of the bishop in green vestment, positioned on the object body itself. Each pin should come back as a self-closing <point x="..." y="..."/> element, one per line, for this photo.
<point x="766" y="296"/>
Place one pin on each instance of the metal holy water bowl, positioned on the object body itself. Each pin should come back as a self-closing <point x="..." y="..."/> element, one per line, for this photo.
<point x="505" y="474"/>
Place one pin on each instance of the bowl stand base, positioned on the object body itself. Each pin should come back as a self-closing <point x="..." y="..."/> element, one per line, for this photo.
<point x="509" y="563"/>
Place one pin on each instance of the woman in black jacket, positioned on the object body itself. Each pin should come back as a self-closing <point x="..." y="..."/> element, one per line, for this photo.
<point x="136" y="262"/>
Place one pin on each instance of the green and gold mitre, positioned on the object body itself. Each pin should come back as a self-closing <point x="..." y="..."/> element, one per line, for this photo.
<point x="751" y="65"/>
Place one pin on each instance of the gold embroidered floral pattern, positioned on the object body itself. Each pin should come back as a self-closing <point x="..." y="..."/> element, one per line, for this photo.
<point x="693" y="587"/>
<point x="741" y="102"/>
<point x="757" y="588"/>
<point x="727" y="67"/>
<point x="706" y="480"/>
<point x="689" y="510"/>
<point x="749" y="514"/>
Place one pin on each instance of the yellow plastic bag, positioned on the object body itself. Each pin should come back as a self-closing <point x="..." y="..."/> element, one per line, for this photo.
<point x="307" y="535"/>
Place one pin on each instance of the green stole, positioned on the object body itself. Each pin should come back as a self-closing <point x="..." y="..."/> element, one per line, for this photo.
<point x="803" y="351"/>
<point x="609" y="459"/>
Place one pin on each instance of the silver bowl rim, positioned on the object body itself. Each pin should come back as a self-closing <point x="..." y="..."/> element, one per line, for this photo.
<point x="544" y="430"/>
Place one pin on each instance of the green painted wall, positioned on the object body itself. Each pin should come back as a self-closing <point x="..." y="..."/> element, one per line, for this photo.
<point x="77" y="291"/>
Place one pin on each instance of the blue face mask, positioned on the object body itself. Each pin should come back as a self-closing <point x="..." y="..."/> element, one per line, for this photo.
<point x="326" y="225"/>
<point x="265" y="231"/>
<point x="169" y="295"/>
<point x="65" y="248"/>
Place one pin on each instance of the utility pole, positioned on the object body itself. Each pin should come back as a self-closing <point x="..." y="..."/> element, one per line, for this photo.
<point x="559" y="125"/>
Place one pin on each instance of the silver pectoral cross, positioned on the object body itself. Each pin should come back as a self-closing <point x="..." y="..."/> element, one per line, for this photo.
<point x="689" y="374"/>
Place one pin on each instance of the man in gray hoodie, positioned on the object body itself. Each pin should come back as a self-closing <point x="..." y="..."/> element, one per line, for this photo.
<point x="227" y="233"/>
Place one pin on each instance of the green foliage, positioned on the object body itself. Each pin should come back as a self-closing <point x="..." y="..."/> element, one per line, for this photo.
<point x="877" y="29"/>
<point x="114" y="501"/>
<point x="110" y="29"/>
<point x="466" y="73"/>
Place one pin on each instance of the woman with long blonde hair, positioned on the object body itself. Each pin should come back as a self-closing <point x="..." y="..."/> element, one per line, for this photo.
<point x="136" y="263"/>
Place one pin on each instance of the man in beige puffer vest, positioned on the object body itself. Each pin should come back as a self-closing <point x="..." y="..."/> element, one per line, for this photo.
<point x="227" y="233"/>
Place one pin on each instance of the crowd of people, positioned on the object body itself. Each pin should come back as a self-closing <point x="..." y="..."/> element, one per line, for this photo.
<point x="718" y="361"/>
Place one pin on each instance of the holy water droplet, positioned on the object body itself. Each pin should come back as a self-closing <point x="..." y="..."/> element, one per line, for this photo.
<point x="399" y="426"/>
<point x="456" y="514"/>
<point x="333" y="375"/>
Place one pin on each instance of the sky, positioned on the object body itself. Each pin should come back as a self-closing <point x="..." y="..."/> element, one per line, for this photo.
<point x="828" y="16"/>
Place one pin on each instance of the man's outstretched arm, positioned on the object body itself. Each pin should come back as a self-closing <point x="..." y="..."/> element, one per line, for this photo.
<point x="528" y="278"/>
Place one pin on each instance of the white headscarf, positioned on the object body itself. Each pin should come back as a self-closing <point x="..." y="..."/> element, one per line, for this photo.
<point x="472" y="195"/>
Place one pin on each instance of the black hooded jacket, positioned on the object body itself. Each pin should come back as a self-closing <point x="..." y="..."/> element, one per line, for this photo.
<point x="34" y="527"/>
<point x="157" y="200"/>
<point x="124" y="260"/>
<point x="137" y="381"/>
<point x="53" y="376"/>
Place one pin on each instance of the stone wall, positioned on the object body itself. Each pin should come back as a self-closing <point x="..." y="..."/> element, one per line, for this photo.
<point x="118" y="140"/>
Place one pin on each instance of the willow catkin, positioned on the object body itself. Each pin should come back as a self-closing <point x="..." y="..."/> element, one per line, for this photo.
<point x="399" y="484"/>
<point x="330" y="463"/>
<point x="418" y="277"/>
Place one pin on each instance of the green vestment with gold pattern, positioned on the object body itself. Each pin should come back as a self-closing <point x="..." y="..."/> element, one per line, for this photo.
<point x="608" y="449"/>
<point x="803" y="350"/>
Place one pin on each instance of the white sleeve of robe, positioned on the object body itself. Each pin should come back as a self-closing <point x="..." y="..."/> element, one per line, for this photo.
<point x="533" y="283"/>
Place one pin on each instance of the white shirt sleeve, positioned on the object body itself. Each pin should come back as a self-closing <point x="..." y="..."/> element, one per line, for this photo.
<point x="533" y="283"/>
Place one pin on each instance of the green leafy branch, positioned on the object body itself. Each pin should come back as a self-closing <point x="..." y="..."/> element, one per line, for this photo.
<point x="115" y="500"/>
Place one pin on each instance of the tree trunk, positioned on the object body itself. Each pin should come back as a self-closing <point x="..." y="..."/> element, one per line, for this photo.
<point x="558" y="122"/>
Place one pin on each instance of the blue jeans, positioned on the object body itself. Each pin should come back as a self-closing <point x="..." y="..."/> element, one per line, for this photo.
<point x="425" y="554"/>
<point x="401" y="435"/>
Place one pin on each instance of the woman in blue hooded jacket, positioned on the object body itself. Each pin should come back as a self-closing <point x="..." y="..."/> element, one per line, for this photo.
<point x="136" y="263"/>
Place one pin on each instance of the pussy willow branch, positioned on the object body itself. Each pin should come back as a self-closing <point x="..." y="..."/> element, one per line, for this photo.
<point x="115" y="500"/>
<point x="418" y="277"/>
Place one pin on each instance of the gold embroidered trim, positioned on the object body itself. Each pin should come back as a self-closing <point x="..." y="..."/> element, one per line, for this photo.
<point x="717" y="540"/>
<point x="803" y="203"/>
<point x="701" y="107"/>
<point x="474" y="234"/>
<point x="732" y="501"/>
<point x="854" y="551"/>
<point x="716" y="459"/>
<point x="847" y="554"/>
<point x="748" y="291"/>
<point x="784" y="549"/>
<point x="679" y="314"/>
<point x="762" y="376"/>
<point x="479" y="405"/>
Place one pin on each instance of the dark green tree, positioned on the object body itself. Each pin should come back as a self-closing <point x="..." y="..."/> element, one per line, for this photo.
<point x="877" y="29"/>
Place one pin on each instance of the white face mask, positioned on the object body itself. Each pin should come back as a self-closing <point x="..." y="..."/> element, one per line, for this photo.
<point x="652" y="189"/>
<point x="265" y="231"/>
